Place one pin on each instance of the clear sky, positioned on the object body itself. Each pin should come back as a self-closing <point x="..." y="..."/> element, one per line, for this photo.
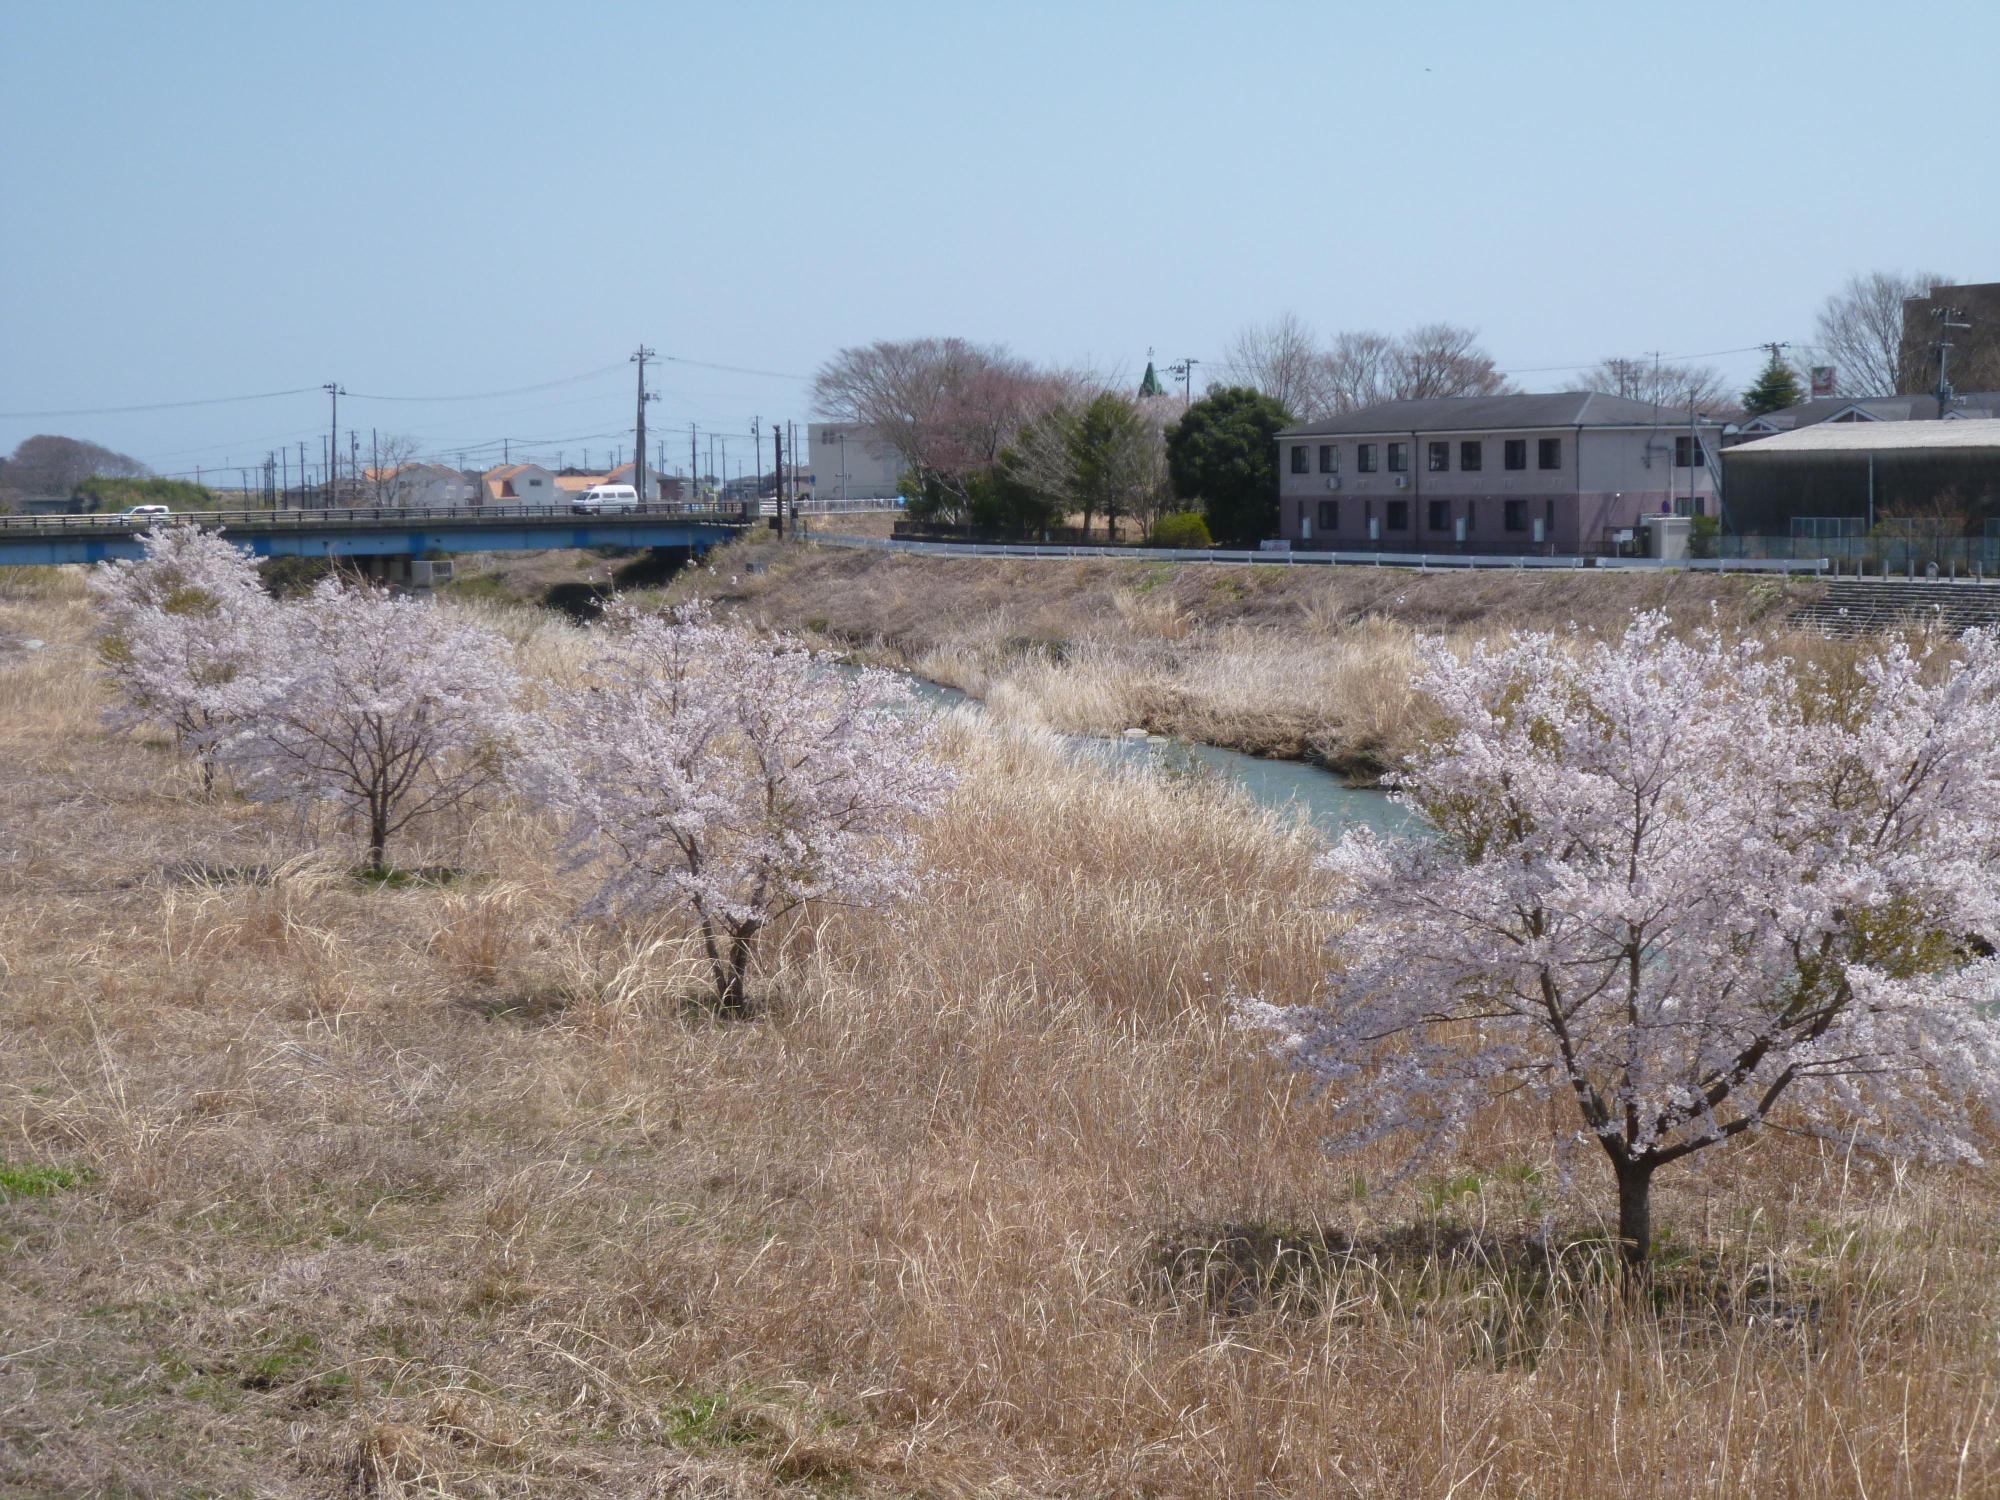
<point x="218" y="198"/>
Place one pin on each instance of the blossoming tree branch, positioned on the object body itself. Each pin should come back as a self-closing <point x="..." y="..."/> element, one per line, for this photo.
<point x="1687" y="891"/>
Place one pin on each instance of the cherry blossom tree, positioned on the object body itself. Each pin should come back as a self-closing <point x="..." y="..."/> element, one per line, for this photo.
<point x="735" y="778"/>
<point x="1690" y="890"/>
<point x="182" y="632"/>
<point x="380" y="706"/>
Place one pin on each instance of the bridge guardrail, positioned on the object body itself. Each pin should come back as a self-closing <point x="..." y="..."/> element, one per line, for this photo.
<point x="279" y="520"/>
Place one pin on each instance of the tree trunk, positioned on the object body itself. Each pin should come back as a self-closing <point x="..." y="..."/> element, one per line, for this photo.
<point x="1635" y="1215"/>
<point x="735" y="974"/>
<point x="378" y="841"/>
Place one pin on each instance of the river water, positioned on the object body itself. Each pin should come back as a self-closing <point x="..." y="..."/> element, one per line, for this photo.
<point x="1327" y="801"/>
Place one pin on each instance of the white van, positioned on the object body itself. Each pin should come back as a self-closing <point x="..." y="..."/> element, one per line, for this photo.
<point x="606" y="499"/>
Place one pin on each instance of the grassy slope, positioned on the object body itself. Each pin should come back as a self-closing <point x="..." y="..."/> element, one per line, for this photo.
<point x="330" y="1191"/>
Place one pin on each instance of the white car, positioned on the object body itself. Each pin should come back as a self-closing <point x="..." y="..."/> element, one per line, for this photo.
<point x="146" y="515"/>
<point x="607" y="499"/>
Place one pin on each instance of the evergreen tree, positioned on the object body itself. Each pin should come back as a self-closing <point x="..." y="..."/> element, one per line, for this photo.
<point x="1223" y="457"/>
<point x="1776" y="387"/>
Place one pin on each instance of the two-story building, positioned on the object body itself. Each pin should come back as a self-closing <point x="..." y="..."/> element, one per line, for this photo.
<point x="420" y="486"/>
<point x="520" y="484"/>
<point x="1570" y="473"/>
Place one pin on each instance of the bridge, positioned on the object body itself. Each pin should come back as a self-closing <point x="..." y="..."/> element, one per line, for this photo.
<point x="382" y="531"/>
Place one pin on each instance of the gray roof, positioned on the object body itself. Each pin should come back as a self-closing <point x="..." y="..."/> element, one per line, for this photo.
<point x="1882" y="408"/>
<point x="1874" y="437"/>
<point x="1486" y="413"/>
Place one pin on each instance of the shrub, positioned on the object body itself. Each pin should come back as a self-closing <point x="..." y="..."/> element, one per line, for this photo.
<point x="1181" y="528"/>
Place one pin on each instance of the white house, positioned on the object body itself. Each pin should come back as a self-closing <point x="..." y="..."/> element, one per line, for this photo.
<point x="421" y="486"/>
<point x="520" y="484"/>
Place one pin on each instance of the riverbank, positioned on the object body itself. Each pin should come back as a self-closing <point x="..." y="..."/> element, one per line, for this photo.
<point x="317" y="1188"/>
<point x="1296" y="664"/>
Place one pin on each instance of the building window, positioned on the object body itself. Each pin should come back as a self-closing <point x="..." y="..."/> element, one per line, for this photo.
<point x="1399" y="515"/>
<point x="1299" y="459"/>
<point x="1439" y="512"/>
<point x="1329" y="459"/>
<point x="1516" y="454"/>
<point x="1548" y="519"/>
<point x="1469" y="456"/>
<point x="1687" y="453"/>
<point x="1329" y="515"/>
<point x="1514" y="515"/>
<point x="1364" y="458"/>
<point x="1551" y="454"/>
<point x="1468" y="518"/>
<point x="1399" y="458"/>
<point x="1440" y="458"/>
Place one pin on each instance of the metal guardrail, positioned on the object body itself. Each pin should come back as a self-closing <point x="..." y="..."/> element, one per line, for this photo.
<point x="1420" y="561"/>
<point x="351" y="516"/>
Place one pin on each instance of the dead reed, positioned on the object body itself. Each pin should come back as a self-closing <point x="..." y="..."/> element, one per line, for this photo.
<point x="313" y="1188"/>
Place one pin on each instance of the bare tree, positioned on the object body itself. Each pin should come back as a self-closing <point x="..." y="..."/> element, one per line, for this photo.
<point x="1283" y="359"/>
<point x="1358" y="369"/>
<point x="1860" y="333"/>
<point x="945" y="405"/>
<point x="1443" y="359"/>
<point x="1649" y="379"/>
<point x="49" y="465"/>
<point x="392" y="480"/>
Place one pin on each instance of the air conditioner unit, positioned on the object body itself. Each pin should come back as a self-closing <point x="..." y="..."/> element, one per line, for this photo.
<point x="1402" y="481"/>
<point x="1333" y="481"/>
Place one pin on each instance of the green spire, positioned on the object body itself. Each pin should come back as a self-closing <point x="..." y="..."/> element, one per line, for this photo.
<point x="1150" y="386"/>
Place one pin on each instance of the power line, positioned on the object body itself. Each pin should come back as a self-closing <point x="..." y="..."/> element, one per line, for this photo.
<point x="700" y="364"/>
<point x="519" y="390"/>
<point x="106" y="411"/>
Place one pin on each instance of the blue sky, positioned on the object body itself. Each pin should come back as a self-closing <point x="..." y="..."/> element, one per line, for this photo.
<point x="429" y="199"/>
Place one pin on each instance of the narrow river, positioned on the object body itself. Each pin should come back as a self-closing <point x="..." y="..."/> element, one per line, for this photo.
<point x="1328" y="802"/>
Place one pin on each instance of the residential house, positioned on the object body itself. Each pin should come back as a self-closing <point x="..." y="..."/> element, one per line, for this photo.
<point x="1572" y="472"/>
<point x="419" y="486"/>
<point x="520" y="484"/>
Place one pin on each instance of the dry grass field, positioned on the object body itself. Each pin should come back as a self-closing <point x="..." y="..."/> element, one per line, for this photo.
<point x="1307" y="663"/>
<point x="310" y="1188"/>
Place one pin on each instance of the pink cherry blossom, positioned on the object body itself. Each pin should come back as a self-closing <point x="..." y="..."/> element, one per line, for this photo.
<point x="180" y="633"/>
<point x="379" y="706"/>
<point x="698" y="767"/>
<point x="1680" y="889"/>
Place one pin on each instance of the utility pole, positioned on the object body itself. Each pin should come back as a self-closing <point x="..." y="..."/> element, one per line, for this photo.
<point x="639" y="358"/>
<point x="285" y="474"/>
<point x="375" y="463"/>
<point x="305" y="501"/>
<point x="1944" y="315"/>
<point x="694" y="465"/>
<point x="778" y="473"/>
<point x="354" y="461"/>
<point x="1185" y="369"/>
<point x="333" y="390"/>
<point x="1696" y="458"/>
